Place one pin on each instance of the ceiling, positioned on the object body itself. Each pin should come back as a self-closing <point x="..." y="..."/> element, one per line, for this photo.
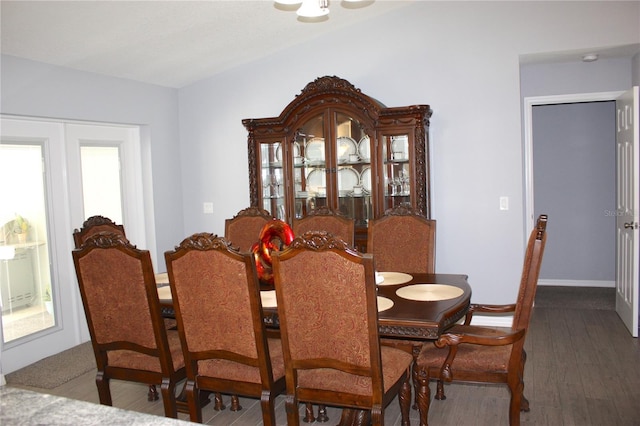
<point x="168" y="43"/>
<point x="178" y="42"/>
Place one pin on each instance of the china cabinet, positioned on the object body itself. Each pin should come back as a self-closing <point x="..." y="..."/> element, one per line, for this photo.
<point x="335" y="146"/>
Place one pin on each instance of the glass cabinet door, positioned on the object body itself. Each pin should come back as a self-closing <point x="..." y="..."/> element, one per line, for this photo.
<point x="310" y="167"/>
<point x="272" y="179"/>
<point x="353" y="177"/>
<point x="396" y="170"/>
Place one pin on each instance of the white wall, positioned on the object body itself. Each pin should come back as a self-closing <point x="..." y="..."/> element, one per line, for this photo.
<point x="35" y="89"/>
<point x="459" y="57"/>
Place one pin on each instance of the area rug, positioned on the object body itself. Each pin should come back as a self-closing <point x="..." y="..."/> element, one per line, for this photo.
<point x="55" y="370"/>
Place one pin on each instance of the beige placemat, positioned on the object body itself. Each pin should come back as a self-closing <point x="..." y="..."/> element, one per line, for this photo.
<point x="164" y="293"/>
<point x="394" y="278"/>
<point x="429" y="292"/>
<point x="268" y="299"/>
<point x="384" y="303"/>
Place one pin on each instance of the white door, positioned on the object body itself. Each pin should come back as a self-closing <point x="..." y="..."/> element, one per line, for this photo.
<point x="627" y="209"/>
<point x="65" y="149"/>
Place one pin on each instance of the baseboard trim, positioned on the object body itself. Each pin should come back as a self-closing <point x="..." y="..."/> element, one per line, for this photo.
<point x="577" y="283"/>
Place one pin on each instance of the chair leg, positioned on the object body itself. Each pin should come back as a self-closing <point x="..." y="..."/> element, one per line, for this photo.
<point x="104" y="393"/>
<point x="440" y="390"/>
<point x="267" y="403"/>
<point x="404" y="398"/>
<point x="235" y="403"/>
<point x="516" y="386"/>
<point x="193" y="400"/>
<point x="524" y="404"/>
<point x="291" y="407"/>
<point x="423" y="394"/>
<point x="168" y="390"/>
<point x="376" y="415"/>
<point x="152" y="394"/>
<point x="308" y="413"/>
<point x="218" y="404"/>
<point x="322" y="414"/>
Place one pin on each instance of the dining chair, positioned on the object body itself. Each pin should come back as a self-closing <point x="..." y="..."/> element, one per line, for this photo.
<point x="327" y="307"/>
<point x="244" y="228"/>
<point x="92" y="226"/>
<point x="325" y="219"/>
<point x="128" y="334"/>
<point x="402" y="240"/>
<point x="469" y="353"/>
<point x="216" y="298"/>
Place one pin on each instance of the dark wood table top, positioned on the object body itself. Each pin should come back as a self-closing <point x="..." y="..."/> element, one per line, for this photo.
<point x="411" y="319"/>
<point x="406" y="319"/>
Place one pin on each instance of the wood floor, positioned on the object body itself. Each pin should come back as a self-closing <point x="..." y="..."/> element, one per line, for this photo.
<point x="583" y="368"/>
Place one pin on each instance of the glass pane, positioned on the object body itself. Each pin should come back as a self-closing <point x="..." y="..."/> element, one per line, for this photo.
<point x="25" y="278"/>
<point x="397" y="171"/>
<point x="353" y="152"/>
<point x="101" y="190"/>
<point x="310" y="170"/>
<point x="272" y="179"/>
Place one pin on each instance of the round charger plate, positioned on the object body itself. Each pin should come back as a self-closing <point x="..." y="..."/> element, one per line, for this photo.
<point x="164" y="293"/>
<point x="394" y="278"/>
<point x="384" y="303"/>
<point x="268" y="299"/>
<point x="429" y="292"/>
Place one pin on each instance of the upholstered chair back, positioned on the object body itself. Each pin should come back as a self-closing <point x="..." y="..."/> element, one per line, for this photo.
<point x="327" y="306"/>
<point x="325" y="219"/>
<point x="217" y="303"/>
<point x="243" y="230"/>
<point x="402" y="241"/>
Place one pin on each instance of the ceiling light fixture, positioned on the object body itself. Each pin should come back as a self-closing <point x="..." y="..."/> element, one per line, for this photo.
<point x="590" y="57"/>
<point x="311" y="10"/>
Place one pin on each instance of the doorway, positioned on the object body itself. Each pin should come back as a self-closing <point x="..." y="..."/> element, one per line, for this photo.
<point x="59" y="150"/>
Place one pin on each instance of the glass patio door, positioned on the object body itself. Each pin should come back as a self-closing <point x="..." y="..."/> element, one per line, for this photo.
<point x="25" y="275"/>
<point x="53" y="175"/>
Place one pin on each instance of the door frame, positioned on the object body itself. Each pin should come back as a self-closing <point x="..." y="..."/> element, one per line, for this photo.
<point x="529" y="103"/>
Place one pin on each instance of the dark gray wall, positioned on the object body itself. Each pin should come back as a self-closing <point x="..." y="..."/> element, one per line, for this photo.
<point x="574" y="182"/>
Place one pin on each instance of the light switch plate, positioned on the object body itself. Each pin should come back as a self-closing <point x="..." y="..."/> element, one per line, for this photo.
<point x="207" y="208"/>
<point x="504" y="203"/>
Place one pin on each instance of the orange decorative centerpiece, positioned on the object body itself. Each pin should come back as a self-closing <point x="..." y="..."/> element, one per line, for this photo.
<point x="275" y="235"/>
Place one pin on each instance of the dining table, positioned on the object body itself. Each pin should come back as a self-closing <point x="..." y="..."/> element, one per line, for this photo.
<point x="411" y="306"/>
<point x="415" y="306"/>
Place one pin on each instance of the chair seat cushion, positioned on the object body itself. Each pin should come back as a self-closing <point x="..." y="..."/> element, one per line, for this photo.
<point x="395" y="362"/>
<point x="139" y="361"/>
<point x="229" y="370"/>
<point x="469" y="357"/>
